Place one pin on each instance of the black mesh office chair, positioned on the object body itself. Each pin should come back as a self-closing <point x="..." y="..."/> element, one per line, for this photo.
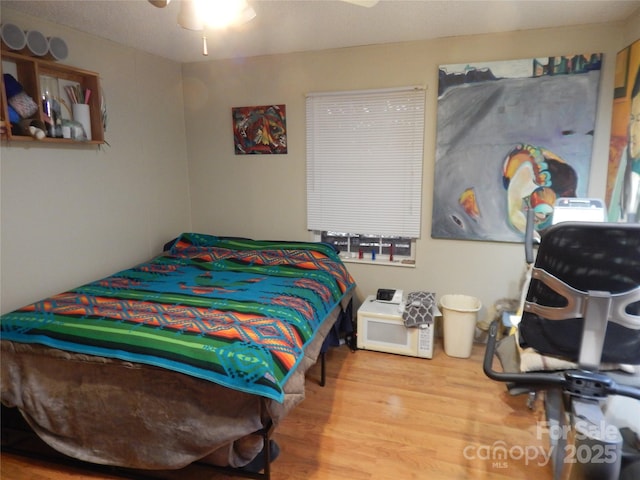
<point x="583" y="305"/>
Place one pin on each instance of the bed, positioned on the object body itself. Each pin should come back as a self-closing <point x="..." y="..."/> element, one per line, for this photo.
<point x="194" y="356"/>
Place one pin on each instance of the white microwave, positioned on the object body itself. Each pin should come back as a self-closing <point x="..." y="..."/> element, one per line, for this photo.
<point x="381" y="328"/>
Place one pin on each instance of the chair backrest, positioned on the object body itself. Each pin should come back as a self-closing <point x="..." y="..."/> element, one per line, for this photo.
<point x="586" y="274"/>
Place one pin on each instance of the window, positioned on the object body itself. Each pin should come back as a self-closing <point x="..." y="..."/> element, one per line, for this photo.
<point x="364" y="167"/>
<point x="390" y="247"/>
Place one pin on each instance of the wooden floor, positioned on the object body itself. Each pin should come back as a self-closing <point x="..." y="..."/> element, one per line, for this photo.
<point x="384" y="416"/>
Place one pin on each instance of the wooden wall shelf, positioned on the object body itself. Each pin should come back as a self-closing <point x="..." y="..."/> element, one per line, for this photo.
<point x="30" y="71"/>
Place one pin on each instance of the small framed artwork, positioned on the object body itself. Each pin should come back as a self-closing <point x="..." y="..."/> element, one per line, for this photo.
<point x="260" y="130"/>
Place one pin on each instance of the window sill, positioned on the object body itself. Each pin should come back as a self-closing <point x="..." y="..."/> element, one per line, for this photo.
<point x="367" y="261"/>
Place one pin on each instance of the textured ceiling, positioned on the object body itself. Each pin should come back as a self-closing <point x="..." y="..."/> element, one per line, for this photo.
<point x="284" y="26"/>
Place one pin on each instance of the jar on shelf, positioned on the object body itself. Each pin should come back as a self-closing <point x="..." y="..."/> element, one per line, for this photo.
<point x="50" y="94"/>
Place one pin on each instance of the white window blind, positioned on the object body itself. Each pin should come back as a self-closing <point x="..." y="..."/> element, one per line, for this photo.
<point x="364" y="161"/>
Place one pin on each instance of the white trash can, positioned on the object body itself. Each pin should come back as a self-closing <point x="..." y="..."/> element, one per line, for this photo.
<point x="459" y="316"/>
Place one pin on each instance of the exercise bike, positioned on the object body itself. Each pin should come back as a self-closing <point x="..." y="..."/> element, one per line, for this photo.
<point x="582" y="305"/>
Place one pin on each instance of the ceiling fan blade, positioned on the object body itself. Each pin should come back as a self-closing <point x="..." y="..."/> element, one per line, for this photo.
<point x="159" y="3"/>
<point x="363" y="3"/>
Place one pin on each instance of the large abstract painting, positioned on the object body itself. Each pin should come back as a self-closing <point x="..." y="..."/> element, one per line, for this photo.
<point x="511" y="136"/>
<point x="623" y="175"/>
<point x="260" y="130"/>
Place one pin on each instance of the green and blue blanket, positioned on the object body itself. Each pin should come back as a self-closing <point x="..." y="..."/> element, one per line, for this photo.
<point x="235" y="312"/>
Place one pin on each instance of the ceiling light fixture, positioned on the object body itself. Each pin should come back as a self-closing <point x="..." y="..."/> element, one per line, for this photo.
<point x="198" y="14"/>
<point x="189" y="17"/>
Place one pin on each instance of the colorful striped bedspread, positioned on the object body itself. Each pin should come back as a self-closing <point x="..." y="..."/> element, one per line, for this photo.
<point x="235" y="312"/>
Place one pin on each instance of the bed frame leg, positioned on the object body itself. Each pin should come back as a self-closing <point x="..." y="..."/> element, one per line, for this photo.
<point x="267" y="453"/>
<point x="323" y="369"/>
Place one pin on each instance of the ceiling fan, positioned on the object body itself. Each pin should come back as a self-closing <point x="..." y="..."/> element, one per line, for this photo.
<point x="196" y="14"/>
<point x="361" y="3"/>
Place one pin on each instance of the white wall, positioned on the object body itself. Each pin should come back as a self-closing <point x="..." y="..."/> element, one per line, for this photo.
<point x="264" y="196"/>
<point x="631" y="29"/>
<point x="72" y="215"/>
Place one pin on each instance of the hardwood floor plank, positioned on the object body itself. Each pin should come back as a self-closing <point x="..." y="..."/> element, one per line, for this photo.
<point x="384" y="416"/>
